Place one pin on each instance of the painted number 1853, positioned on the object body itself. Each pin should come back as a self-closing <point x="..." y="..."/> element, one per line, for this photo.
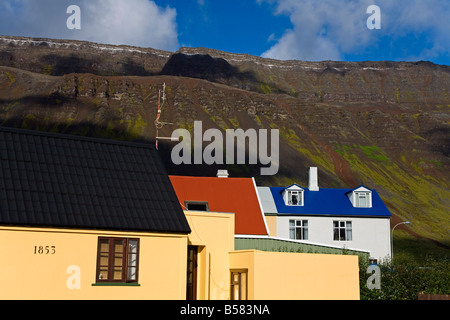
<point x="44" y="249"/>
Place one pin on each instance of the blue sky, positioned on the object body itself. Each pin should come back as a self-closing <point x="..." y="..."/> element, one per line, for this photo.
<point x="281" y="29"/>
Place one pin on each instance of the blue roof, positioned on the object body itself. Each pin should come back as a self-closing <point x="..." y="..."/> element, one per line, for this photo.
<point x="333" y="202"/>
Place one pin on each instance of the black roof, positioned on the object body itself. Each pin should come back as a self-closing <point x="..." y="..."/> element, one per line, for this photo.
<point x="67" y="181"/>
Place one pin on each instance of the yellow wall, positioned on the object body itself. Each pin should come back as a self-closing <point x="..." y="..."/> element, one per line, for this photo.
<point x="162" y="265"/>
<point x="26" y="275"/>
<point x="214" y="234"/>
<point x="271" y="275"/>
<point x="271" y="221"/>
<point x="281" y="275"/>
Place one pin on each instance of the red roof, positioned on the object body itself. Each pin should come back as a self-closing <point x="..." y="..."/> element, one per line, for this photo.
<point x="234" y="195"/>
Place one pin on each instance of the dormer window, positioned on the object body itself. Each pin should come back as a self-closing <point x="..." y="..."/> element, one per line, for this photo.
<point x="293" y="196"/>
<point x="361" y="197"/>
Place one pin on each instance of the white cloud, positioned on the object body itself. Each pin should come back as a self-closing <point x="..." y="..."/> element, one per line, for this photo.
<point x="321" y="29"/>
<point x="329" y="29"/>
<point x="132" y="22"/>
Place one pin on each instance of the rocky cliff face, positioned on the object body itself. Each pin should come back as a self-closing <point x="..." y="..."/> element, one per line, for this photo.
<point x="381" y="124"/>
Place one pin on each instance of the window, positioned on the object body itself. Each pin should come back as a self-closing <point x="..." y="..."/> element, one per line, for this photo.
<point x="239" y="285"/>
<point x="362" y="200"/>
<point x="298" y="229"/>
<point x="196" y="205"/>
<point x="295" y="198"/>
<point x="117" y="260"/>
<point x="342" y="230"/>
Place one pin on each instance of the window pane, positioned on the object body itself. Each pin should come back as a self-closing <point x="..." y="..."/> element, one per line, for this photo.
<point x="348" y="230"/>
<point x="341" y="234"/>
<point x="362" y="200"/>
<point x="291" y="229"/>
<point x="294" y="199"/>
<point x="132" y="246"/>
<point x="305" y="233"/>
<point x="243" y="286"/>
<point x="104" y="245"/>
<point x="349" y="235"/>
<point x="132" y="272"/>
<point x="197" y="206"/>
<point x="292" y="233"/>
<point x="104" y="259"/>
<point x="298" y="234"/>
<point x="118" y="246"/>
<point x="236" y="285"/>
<point x="118" y="260"/>
<point x="132" y="260"/>
<point x="103" y="273"/>
<point x="117" y="273"/>
<point x="236" y="292"/>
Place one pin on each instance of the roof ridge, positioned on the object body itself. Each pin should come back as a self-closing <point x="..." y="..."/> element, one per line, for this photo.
<point x="75" y="137"/>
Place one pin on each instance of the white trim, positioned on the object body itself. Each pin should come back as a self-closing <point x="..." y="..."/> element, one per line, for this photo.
<point x="294" y="187"/>
<point x="301" y="194"/>
<point x="260" y="206"/>
<point x="362" y="189"/>
<point x="251" y="236"/>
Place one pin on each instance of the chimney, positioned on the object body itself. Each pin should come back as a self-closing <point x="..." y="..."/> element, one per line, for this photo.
<point x="313" y="179"/>
<point x="222" y="173"/>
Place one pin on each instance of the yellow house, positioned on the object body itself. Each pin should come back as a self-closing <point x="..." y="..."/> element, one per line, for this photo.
<point x="84" y="218"/>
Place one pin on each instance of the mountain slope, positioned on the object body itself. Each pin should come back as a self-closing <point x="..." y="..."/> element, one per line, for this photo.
<point x="381" y="124"/>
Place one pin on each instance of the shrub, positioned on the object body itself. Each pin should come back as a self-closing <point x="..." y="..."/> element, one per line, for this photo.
<point x="405" y="279"/>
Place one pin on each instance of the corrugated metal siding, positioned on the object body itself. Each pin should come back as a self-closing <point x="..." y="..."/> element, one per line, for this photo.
<point x="278" y="245"/>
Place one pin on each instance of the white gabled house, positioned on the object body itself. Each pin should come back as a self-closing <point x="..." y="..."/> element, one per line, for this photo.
<point x="351" y="218"/>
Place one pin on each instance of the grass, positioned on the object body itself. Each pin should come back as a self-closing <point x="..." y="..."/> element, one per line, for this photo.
<point x="408" y="247"/>
<point x="11" y="78"/>
<point x="423" y="199"/>
<point x="371" y="152"/>
<point x="311" y="151"/>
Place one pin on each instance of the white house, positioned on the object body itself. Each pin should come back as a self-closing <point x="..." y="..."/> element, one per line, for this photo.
<point x="351" y="218"/>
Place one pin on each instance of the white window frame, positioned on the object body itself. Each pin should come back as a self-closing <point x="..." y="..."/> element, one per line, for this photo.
<point x="363" y="194"/>
<point x="301" y="224"/>
<point x="299" y="194"/>
<point x="344" y="230"/>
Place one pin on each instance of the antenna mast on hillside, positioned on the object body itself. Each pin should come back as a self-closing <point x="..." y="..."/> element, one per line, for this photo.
<point x="159" y="124"/>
